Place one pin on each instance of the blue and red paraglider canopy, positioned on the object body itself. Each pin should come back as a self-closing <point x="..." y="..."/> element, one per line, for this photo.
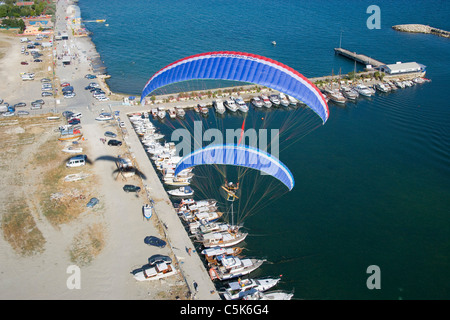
<point x="243" y="67"/>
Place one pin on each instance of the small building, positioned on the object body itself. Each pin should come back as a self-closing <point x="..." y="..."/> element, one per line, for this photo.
<point x="400" y="68"/>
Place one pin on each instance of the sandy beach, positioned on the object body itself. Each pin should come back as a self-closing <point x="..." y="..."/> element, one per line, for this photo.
<point x="86" y="253"/>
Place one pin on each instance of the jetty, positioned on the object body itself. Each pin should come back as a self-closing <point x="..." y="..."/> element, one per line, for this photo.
<point x="360" y="58"/>
<point x="421" y="28"/>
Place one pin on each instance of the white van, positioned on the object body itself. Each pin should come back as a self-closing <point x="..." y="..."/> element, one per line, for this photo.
<point x="76" y="161"/>
<point x="76" y="115"/>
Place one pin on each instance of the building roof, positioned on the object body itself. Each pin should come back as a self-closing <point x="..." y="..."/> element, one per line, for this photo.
<point x="404" y="67"/>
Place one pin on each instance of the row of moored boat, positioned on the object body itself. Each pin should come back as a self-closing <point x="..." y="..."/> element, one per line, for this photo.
<point x="219" y="240"/>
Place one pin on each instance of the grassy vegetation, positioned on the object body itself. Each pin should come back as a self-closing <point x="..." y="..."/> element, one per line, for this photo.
<point x="87" y="245"/>
<point x="20" y="230"/>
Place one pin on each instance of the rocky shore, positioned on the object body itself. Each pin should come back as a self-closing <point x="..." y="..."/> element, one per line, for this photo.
<point x="421" y="28"/>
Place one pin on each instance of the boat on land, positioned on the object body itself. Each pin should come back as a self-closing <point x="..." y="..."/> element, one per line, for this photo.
<point x="53" y="118"/>
<point x="72" y="149"/>
<point x="363" y="90"/>
<point x="243" y="287"/>
<point x="266" y="101"/>
<point x="181" y="192"/>
<point x="273" y="295"/>
<point x="240" y="103"/>
<point x="104" y="116"/>
<point x="257" y="102"/>
<point x="147" y="210"/>
<point x="230" y="267"/>
<point x="230" y="104"/>
<point x="218" y="106"/>
<point x="76" y="177"/>
<point x="71" y="137"/>
<point x="158" y="271"/>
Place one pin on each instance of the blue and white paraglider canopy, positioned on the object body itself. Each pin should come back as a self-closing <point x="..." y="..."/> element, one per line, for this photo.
<point x="244" y="67"/>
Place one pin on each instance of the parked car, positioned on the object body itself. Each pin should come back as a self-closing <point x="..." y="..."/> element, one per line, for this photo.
<point x="20" y="104"/>
<point x="74" y="121"/>
<point x="39" y="101"/>
<point x="46" y="94"/>
<point x="69" y="95"/>
<point x="37" y="60"/>
<point x="65" y="84"/>
<point x="92" y="202"/>
<point x="156" y="258"/>
<point x="154" y="241"/>
<point x="113" y="142"/>
<point x="90" y="76"/>
<point x="131" y="188"/>
<point x="46" y="80"/>
<point x="110" y="134"/>
<point x="36" y="106"/>
<point x="67" y="114"/>
<point x="24" y="63"/>
<point x="67" y="89"/>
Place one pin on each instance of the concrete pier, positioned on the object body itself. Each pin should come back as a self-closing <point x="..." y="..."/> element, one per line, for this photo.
<point x="360" y="58"/>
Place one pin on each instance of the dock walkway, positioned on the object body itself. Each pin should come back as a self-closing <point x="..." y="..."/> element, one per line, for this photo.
<point x="360" y="58"/>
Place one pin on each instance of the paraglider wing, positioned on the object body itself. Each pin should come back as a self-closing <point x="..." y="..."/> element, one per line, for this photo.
<point x="244" y="67"/>
<point x="238" y="155"/>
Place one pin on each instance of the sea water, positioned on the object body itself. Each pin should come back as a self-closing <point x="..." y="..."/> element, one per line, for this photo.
<point x="372" y="184"/>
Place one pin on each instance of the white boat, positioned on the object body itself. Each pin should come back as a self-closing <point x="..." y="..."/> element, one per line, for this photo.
<point x="382" y="87"/>
<point x="181" y="192"/>
<point x="172" y="113"/>
<point x="177" y="182"/>
<point x="363" y="90"/>
<point x="202" y="226"/>
<point x="233" y="267"/>
<point x="72" y="149"/>
<point x="239" y="289"/>
<point x="240" y="103"/>
<point x="349" y="93"/>
<point x="336" y="96"/>
<point x="53" y="118"/>
<point x="211" y="253"/>
<point x="203" y="215"/>
<point x="180" y="112"/>
<point x="104" y="116"/>
<point x="275" y="99"/>
<point x="147" y="210"/>
<point x="218" y="106"/>
<point x="400" y="84"/>
<point x="222" y="239"/>
<point x="292" y="100"/>
<point x="231" y="105"/>
<point x="274" y="295"/>
<point x="76" y="177"/>
<point x="419" y="80"/>
<point x="158" y="271"/>
<point x="284" y="101"/>
<point x="257" y="102"/>
<point x="266" y="101"/>
<point x="203" y="109"/>
<point x="161" y="113"/>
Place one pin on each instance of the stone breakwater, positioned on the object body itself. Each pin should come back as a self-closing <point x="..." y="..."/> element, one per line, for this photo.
<point x="421" y="28"/>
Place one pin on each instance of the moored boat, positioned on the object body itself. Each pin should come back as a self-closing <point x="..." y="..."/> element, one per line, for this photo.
<point x="218" y="106"/>
<point x="266" y="101"/>
<point x="240" y="103"/>
<point x="181" y="192"/>
<point x="257" y="102"/>
<point x="275" y="99"/>
<point x="273" y="295"/>
<point x="363" y="90"/>
<point x="233" y="267"/>
<point x="243" y="287"/>
<point x="222" y="239"/>
<point x="231" y="105"/>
